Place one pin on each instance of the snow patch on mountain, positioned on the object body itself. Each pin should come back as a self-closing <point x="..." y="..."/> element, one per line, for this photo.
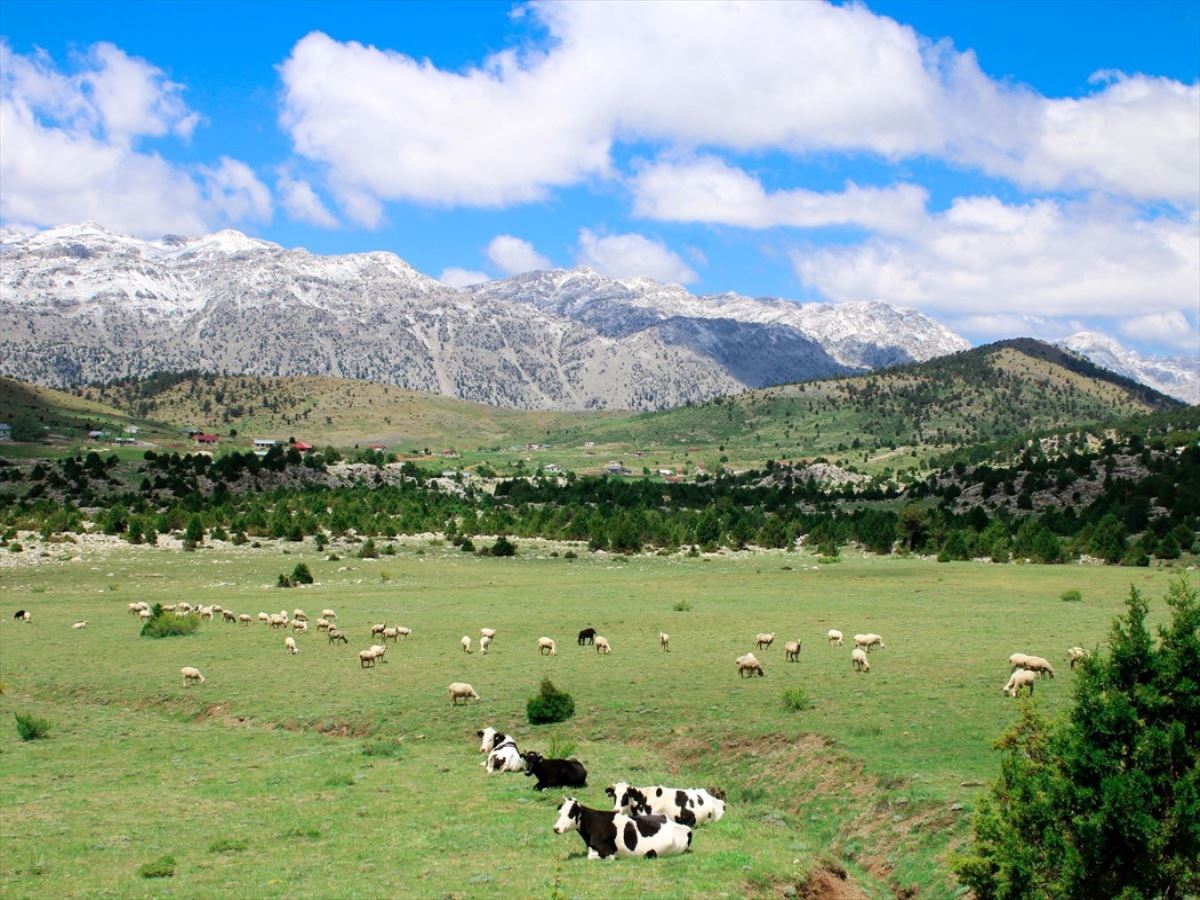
<point x="1177" y="376"/>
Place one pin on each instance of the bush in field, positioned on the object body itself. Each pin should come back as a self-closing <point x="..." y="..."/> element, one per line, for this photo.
<point x="163" y="867"/>
<point x="31" y="728"/>
<point x="285" y="581"/>
<point x="163" y="624"/>
<point x="301" y="574"/>
<point x="550" y="705"/>
<point x="368" y="550"/>
<point x="796" y="699"/>
<point x="1071" y="596"/>
<point x="1104" y="802"/>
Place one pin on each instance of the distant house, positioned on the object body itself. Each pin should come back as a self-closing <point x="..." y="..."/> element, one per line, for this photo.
<point x="203" y="438"/>
<point x="95" y="435"/>
<point x="553" y="469"/>
<point x="450" y="454"/>
<point x="301" y="446"/>
<point x="264" y="443"/>
<point x="666" y="473"/>
<point x="126" y="440"/>
<point x="588" y="445"/>
<point x="378" y="448"/>
<point x="617" y="469"/>
<point x="5" y="431"/>
<point x="131" y="429"/>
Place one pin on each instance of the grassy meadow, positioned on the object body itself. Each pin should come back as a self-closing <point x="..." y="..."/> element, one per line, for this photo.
<point x="306" y="776"/>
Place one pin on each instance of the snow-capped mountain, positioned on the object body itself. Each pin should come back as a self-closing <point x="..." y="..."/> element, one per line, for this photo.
<point x="80" y="304"/>
<point x="1177" y="376"/>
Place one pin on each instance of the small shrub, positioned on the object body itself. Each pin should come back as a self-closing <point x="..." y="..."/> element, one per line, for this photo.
<point x="753" y="794"/>
<point x="828" y="560"/>
<point x="333" y="557"/>
<point x="285" y="581"/>
<point x="163" y="624"/>
<point x="301" y="574"/>
<point x="15" y="547"/>
<point x="31" y="728"/>
<point x="163" y="867"/>
<point x="795" y="699"/>
<point x="239" y="539"/>
<point x="389" y="550"/>
<point x="227" y="845"/>
<point x="1071" y="596"/>
<point x="389" y="748"/>
<point x="385" y="576"/>
<point x="466" y="545"/>
<point x="560" y="748"/>
<point x="504" y="547"/>
<point x="550" y="705"/>
<point x="347" y="780"/>
<point x="681" y="606"/>
<point x="189" y="546"/>
<point x="368" y="550"/>
<point x="570" y="554"/>
<point x="301" y="832"/>
<point x="40" y="589"/>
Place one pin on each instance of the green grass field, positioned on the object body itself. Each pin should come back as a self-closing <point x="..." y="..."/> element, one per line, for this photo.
<point x="308" y="777"/>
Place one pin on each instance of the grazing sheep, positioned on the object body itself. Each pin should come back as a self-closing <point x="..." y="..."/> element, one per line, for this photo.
<point x="1039" y="665"/>
<point x="390" y="633"/>
<point x="1019" y="679"/>
<point x="402" y="631"/>
<point x="229" y="615"/>
<point x="748" y="664"/>
<point x="206" y="612"/>
<point x="328" y="614"/>
<point x="484" y="643"/>
<point x="664" y="641"/>
<point x="145" y="615"/>
<point x="300" y="625"/>
<point x="460" y="690"/>
<point x="764" y="640"/>
<point x="22" y="615"/>
<point x="80" y="625"/>
<point x="277" y="621"/>
<point x="466" y="643"/>
<point x="858" y="656"/>
<point x="246" y="619"/>
<point x="190" y="674"/>
<point x="378" y="629"/>
<point x="134" y="608"/>
<point x="1017" y="660"/>
<point x="546" y="647"/>
<point x="602" y="645"/>
<point x="379" y="650"/>
<point x="335" y="635"/>
<point x="868" y="641"/>
<point x="169" y="607"/>
<point x="1075" y="654"/>
<point x="792" y="649"/>
<point x="834" y="636"/>
<point x="264" y="617"/>
<point x="488" y="633"/>
<point x="289" y="644"/>
<point x="367" y="658"/>
<point x="323" y="624"/>
<point x="299" y="614"/>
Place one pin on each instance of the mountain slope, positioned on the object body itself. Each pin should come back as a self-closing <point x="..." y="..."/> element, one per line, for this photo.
<point x="1177" y="377"/>
<point x="80" y="304"/>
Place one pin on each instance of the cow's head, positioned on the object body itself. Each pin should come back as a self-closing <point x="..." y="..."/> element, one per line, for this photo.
<point x="487" y="739"/>
<point x="569" y="814"/>
<point x="531" y="760"/>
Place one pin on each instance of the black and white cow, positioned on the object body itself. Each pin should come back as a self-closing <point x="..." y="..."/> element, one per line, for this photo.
<point x="22" y="615"/>
<point x="587" y="636"/>
<point x="687" y="806"/>
<point x="501" y="750"/>
<point x="611" y="834"/>
<point x="554" y="772"/>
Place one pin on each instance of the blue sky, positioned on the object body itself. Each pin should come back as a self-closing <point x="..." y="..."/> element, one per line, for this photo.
<point x="1008" y="168"/>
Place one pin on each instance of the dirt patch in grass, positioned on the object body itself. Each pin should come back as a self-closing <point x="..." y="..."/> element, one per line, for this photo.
<point x="829" y="883"/>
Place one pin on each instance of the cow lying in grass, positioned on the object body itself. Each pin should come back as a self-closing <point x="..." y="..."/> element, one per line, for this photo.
<point x="686" y="806"/>
<point x="610" y="834"/>
<point x="554" y="772"/>
<point x="501" y="750"/>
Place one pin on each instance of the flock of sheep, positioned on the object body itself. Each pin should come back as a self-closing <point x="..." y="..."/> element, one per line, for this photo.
<point x="1026" y="669"/>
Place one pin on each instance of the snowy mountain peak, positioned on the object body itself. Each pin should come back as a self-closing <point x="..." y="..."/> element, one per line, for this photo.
<point x="1177" y="377"/>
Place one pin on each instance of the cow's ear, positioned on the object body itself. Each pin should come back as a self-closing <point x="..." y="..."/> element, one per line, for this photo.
<point x="479" y="734"/>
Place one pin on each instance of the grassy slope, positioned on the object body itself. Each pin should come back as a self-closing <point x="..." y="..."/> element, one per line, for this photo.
<point x="139" y="766"/>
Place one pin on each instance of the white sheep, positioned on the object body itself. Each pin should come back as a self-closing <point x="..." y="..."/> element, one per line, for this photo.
<point x="792" y="649"/>
<point x="169" y="607"/>
<point x="402" y="631"/>
<point x="664" y="641"/>
<point x="80" y="625"/>
<point x="868" y="641"/>
<point x="277" y="621"/>
<point x="1075" y="654"/>
<point x="858" y="656"/>
<point x="136" y="607"/>
<point x="834" y="637"/>
<point x="264" y="617"/>
<point x="484" y="643"/>
<point x="190" y="674"/>
<point x="336" y="634"/>
<point x="460" y="690"/>
<point x="488" y="633"/>
<point x="764" y="640"/>
<point x="378" y="628"/>
<point x="289" y="644"/>
<point x="299" y="614"/>
<point x="328" y="614"/>
<point x="145" y="615"/>
<point x="229" y="615"/>
<point x="206" y="612"/>
<point x="323" y="624"/>
<point x="748" y="664"/>
<point x="1018" y="679"/>
<point x="1039" y="665"/>
<point x="390" y="633"/>
<point x="246" y="619"/>
<point x="602" y="645"/>
<point x="367" y="658"/>
<point x="546" y="647"/>
<point x="466" y="643"/>
<point x="300" y="625"/>
<point x="1017" y="660"/>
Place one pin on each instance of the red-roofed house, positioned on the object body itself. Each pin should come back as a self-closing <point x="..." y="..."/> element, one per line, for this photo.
<point x="301" y="446"/>
<point x="207" y="438"/>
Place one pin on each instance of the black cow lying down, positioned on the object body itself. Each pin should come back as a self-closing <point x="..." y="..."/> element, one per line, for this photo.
<point x="554" y="772"/>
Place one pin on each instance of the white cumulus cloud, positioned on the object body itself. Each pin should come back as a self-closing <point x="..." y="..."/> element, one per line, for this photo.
<point x="631" y="256"/>
<point x="710" y="190"/>
<point x="70" y="149"/>
<point x="1044" y="258"/>
<point x="512" y="255"/>
<point x="1170" y="328"/>
<point x="460" y="278"/>
<point x="302" y="203"/>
